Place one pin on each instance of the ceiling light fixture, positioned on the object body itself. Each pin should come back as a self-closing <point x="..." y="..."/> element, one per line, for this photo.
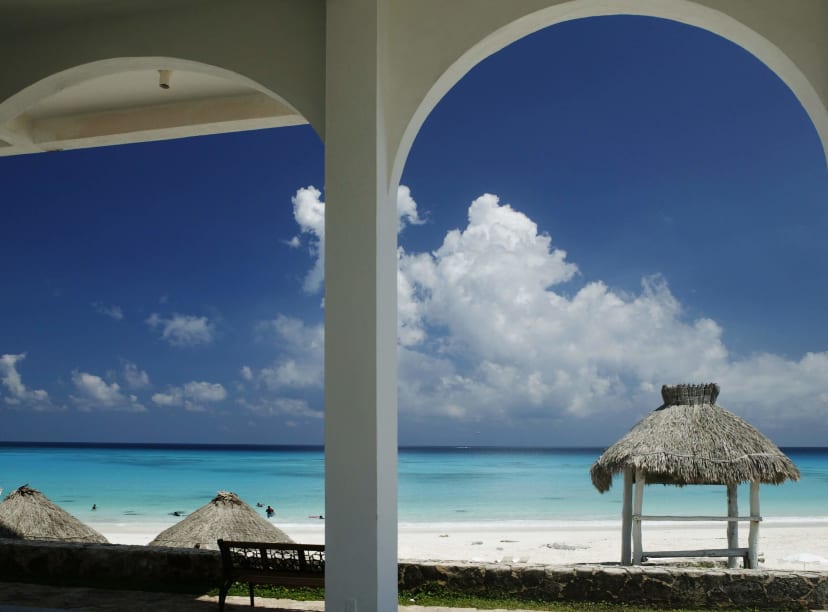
<point x="164" y="78"/>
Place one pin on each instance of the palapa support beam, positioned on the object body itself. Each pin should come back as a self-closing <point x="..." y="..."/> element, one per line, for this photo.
<point x="639" y="502"/>
<point x="732" y="526"/>
<point x="626" y="519"/>
<point x="753" y="535"/>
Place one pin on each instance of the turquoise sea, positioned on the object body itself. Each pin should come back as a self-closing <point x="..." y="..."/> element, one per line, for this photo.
<point x="146" y="483"/>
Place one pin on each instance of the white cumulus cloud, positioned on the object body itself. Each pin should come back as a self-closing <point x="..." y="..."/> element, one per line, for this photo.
<point x="94" y="393"/>
<point x="19" y="395"/>
<point x="183" y="330"/>
<point x="309" y="212"/>
<point x="407" y="213"/>
<point x="204" y="391"/>
<point x="301" y="348"/>
<point x="192" y="396"/>
<point x="11" y="377"/>
<point x="509" y="342"/>
<point x="135" y="377"/>
<point x="485" y="332"/>
<point x="291" y="386"/>
<point x="281" y="407"/>
<point x="109" y="310"/>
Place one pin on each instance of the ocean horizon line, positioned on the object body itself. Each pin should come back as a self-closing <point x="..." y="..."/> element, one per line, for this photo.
<point x="196" y="446"/>
<point x="318" y="447"/>
<point x="280" y="447"/>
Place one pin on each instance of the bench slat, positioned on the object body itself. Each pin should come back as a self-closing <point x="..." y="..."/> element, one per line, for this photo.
<point x="709" y="552"/>
<point x="730" y="519"/>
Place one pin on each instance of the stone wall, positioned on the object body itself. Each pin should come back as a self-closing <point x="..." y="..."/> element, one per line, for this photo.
<point x="659" y="587"/>
<point x="108" y="564"/>
<point x="139" y="567"/>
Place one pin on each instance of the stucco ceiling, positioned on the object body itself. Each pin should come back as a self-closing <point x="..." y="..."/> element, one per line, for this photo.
<point x="18" y="16"/>
<point x="134" y="89"/>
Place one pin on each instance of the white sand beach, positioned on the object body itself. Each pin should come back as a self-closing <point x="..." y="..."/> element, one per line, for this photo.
<point x="780" y="542"/>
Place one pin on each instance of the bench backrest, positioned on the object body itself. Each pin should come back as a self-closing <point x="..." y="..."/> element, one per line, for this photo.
<point x="239" y="559"/>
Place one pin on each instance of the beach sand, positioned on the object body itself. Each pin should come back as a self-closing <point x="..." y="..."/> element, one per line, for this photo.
<point x="554" y="544"/>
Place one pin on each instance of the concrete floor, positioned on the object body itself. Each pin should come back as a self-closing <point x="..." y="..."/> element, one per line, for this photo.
<point x="20" y="597"/>
<point x="31" y="597"/>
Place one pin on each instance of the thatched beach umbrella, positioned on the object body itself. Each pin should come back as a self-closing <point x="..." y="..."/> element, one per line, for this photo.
<point x="227" y="517"/>
<point x="28" y="514"/>
<point x="690" y="440"/>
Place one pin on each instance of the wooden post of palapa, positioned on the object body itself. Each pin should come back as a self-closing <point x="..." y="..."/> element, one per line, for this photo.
<point x="626" y="518"/>
<point x="753" y="535"/>
<point x="732" y="526"/>
<point x="636" y="532"/>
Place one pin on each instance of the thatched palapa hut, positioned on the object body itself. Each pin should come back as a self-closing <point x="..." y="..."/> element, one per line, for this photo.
<point x="227" y="517"/>
<point x="690" y="440"/>
<point x="27" y="514"/>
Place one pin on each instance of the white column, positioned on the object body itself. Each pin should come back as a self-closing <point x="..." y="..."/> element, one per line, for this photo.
<point x="360" y="319"/>
<point x="732" y="526"/>
<point x="753" y="534"/>
<point x="626" y="518"/>
<point x="639" y="503"/>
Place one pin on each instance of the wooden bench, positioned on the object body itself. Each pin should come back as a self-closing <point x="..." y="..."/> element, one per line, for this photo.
<point x="711" y="552"/>
<point x="293" y="565"/>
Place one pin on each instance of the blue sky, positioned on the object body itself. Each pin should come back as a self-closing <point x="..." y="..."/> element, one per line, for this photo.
<point x="603" y="207"/>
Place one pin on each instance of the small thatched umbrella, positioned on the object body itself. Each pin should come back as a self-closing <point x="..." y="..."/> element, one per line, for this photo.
<point x="227" y="517"/>
<point x="28" y="514"/>
<point x="690" y="440"/>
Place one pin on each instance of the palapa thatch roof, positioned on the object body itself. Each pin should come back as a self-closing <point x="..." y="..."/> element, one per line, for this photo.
<point x="227" y="517"/>
<point x="691" y="440"/>
<point x="29" y="515"/>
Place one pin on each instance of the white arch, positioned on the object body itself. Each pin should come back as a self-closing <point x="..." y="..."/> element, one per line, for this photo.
<point x="683" y="11"/>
